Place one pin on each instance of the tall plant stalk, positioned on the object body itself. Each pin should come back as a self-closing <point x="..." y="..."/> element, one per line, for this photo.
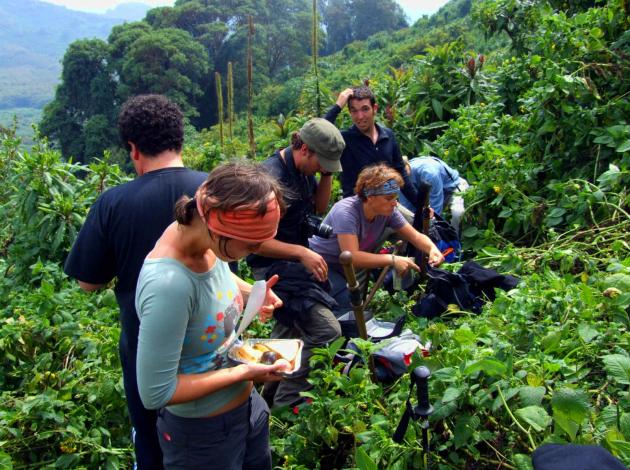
<point x="230" y="92"/>
<point x="318" y="100"/>
<point x="250" y="87"/>
<point x="217" y="82"/>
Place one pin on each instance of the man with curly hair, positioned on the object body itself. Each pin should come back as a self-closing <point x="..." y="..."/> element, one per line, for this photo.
<point x="122" y="227"/>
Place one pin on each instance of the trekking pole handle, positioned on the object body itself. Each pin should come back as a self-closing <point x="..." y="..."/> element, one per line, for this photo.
<point x="356" y="299"/>
<point x="421" y="375"/>
<point x="345" y="258"/>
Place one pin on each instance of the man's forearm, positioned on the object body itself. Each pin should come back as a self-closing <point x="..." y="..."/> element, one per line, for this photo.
<point x="322" y="196"/>
<point x="332" y="113"/>
<point x="281" y="250"/>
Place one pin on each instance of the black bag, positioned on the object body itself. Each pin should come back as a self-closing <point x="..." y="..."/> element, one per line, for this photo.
<point x="445" y="288"/>
<point x="468" y="288"/>
<point x="482" y="281"/>
<point x="574" y="457"/>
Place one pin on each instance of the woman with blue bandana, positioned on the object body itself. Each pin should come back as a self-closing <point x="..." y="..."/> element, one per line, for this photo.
<point x="359" y="223"/>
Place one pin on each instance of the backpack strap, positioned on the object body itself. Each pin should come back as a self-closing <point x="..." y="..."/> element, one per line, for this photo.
<point x="450" y="175"/>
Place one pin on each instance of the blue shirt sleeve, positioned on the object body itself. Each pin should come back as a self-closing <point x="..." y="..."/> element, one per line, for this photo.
<point x="164" y="301"/>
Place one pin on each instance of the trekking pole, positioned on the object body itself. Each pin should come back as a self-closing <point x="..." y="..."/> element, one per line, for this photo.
<point x="419" y="379"/>
<point x="421" y="223"/>
<point x="381" y="278"/>
<point x="424" y="409"/>
<point x="345" y="258"/>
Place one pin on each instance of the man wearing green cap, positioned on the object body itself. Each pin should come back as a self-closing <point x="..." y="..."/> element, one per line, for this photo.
<point x="315" y="148"/>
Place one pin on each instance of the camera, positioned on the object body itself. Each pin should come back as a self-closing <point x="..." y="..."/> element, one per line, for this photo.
<point x="315" y="226"/>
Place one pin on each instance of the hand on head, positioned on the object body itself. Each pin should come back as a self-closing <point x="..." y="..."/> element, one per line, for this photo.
<point x="344" y="96"/>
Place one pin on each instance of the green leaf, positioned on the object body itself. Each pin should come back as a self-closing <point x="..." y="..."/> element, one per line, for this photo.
<point x="437" y="107"/>
<point x="535" y="416"/>
<point x="364" y="461"/>
<point x="587" y="332"/>
<point x="443" y="410"/>
<point x="531" y="396"/>
<point x="557" y="212"/>
<point x="470" y="232"/>
<point x="489" y="366"/>
<point x="618" y="367"/>
<point x="570" y="408"/>
<point x="451" y="394"/>
<point x="5" y="461"/>
<point x="624" y="425"/>
<point x="446" y="374"/>
<point x="620" y="448"/>
<point x="523" y="462"/>
<point x="596" y="33"/>
<point x="464" y="429"/>
<point x="624" y="146"/>
<point x="67" y="461"/>
<point x="464" y="335"/>
<point x="551" y="341"/>
<point x="572" y="402"/>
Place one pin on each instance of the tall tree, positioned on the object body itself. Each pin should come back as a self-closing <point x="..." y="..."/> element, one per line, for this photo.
<point x="351" y="20"/>
<point x="87" y="91"/>
<point x="167" y="61"/>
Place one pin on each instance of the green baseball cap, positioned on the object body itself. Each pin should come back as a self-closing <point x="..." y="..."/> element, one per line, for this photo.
<point x="326" y="141"/>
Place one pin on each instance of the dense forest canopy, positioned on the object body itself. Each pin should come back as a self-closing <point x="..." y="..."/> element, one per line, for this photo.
<point x="528" y="100"/>
<point x="177" y="50"/>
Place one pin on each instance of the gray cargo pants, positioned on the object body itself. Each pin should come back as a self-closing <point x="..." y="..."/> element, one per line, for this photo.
<point x="318" y="328"/>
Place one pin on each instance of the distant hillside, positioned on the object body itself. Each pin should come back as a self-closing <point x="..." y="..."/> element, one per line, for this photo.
<point x="33" y="38"/>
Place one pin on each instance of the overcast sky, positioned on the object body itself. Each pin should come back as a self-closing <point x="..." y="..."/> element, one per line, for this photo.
<point x="414" y="8"/>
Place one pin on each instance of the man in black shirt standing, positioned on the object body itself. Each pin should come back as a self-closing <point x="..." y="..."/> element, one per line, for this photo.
<point x="123" y="226"/>
<point x="316" y="148"/>
<point x="367" y="142"/>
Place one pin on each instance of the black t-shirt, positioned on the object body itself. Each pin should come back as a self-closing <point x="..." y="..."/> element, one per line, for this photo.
<point x="121" y="228"/>
<point x="299" y="196"/>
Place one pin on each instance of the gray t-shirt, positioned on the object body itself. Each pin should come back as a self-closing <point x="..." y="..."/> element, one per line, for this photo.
<point x="347" y="217"/>
<point x="184" y="318"/>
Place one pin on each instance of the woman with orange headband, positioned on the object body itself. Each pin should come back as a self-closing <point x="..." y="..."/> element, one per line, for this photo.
<point x="188" y="302"/>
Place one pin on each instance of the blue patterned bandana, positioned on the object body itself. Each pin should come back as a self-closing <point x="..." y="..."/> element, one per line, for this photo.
<point x="389" y="187"/>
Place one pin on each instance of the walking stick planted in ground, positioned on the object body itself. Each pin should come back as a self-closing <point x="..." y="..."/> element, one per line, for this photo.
<point x="379" y="282"/>
<point x="345" y="258"/>
<point x="421" y="223"/>
<point x="419" y="379"/>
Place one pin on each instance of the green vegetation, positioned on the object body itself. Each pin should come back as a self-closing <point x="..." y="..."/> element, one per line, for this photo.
<point x="530" y="100"/>
<point x="23" y="120"/>
<point x="176" y="50"/>
<point x="34" y="36"/>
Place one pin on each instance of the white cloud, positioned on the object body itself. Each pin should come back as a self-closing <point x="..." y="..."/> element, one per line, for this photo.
<point x="416" y="8"/>
<point x="100" y="6"/>
<point x="413" y="8"/>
